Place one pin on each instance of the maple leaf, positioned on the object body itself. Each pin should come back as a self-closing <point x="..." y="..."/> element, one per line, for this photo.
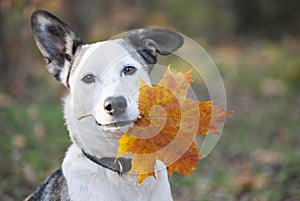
<point x="168" y="125"/>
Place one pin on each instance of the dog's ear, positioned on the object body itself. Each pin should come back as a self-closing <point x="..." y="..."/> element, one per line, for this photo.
<point x="56" y="41"/>
<point x="150" y="41"/>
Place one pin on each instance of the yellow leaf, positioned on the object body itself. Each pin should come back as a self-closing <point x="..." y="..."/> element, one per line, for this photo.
<point x="168" y="125"/>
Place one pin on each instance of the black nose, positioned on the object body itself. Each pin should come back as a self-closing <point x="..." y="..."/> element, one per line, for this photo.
<point x="115" y="105"/>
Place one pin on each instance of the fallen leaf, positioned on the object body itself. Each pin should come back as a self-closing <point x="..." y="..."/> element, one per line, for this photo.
<point x="19" y="141"/>
<point x="168" y="125"/>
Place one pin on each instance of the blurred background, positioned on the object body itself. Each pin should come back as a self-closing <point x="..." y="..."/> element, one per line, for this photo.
<point x="256" y="47"/>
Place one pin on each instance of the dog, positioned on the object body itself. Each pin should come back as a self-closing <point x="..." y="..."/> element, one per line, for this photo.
<point x="102" y="103"/>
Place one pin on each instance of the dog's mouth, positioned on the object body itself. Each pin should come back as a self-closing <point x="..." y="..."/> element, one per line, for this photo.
<point x="115" y="124"/>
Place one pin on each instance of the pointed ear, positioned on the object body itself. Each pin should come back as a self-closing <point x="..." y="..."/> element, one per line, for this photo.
<point x="150" y="41"/>
<point x="56" y="41"/>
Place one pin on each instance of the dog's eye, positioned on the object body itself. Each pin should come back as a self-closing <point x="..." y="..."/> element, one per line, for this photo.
<point x="129" y="70"/>
<point x="88" y="78"/>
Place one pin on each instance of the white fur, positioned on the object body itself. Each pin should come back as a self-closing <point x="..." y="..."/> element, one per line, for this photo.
<point x="87" y="180"/>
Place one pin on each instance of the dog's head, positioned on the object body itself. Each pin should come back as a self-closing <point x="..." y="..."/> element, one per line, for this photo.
<point x="103" y="78"/>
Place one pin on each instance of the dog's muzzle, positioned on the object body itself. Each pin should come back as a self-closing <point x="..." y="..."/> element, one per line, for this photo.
<point x="116" y="107"/>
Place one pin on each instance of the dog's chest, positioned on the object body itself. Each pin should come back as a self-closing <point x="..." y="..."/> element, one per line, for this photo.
<point x="97" y="189"/>
<point x="88" y="181"/>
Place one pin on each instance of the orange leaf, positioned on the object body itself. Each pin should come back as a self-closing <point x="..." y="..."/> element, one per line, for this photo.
<point x="168" y="125"/>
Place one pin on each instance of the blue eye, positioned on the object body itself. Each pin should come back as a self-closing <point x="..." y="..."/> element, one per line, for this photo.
<point x="129" y="70"/>
<point x="88" y="78"/>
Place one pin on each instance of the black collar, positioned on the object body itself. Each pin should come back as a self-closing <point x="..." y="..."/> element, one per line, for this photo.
<point x="119" y="165"/>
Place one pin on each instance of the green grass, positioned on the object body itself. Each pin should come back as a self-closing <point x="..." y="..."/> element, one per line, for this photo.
<point x="34" y="140"/>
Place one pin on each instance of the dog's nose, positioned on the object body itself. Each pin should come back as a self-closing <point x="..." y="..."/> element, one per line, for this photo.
<point x="115" y="105"/>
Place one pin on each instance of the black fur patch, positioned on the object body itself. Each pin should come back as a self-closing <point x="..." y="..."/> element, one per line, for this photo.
<point x="76" y="43"/>
<point x="57" y="74"/>
<point x="147" y="56"/>
<point x="54" y="188"/>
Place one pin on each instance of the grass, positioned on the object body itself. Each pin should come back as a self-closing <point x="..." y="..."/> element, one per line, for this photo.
<point x="257" y="156"/>
<point x="34" y="140"/>
<point x="256" y="159"/>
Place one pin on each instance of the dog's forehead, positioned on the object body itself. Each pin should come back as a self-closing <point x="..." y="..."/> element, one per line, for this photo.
<point x="103" y="55"/>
